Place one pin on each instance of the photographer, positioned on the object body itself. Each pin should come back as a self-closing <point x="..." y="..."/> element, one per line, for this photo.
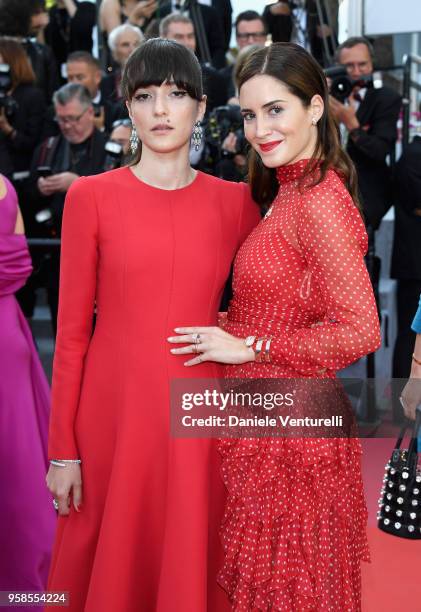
<point x="15" y="21"/>
<point x="79" y="150"/>
<point x="369" y="117"/>
<point x="225" y="131"/>
<point x="118" y="146"/>
<point x="22" y="111"/>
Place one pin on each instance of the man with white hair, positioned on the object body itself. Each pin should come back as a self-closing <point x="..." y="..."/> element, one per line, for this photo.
<point x="122" y="41"/>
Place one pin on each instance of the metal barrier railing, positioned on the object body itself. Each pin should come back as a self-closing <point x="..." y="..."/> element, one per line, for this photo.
<point x="43" y="242"/>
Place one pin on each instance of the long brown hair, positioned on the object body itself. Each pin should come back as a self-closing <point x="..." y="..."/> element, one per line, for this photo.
<point x="15" y="56"/>
<point x="302" y="75"/>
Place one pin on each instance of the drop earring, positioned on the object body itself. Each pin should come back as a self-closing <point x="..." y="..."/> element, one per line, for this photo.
<point x="314" y="121"/>
<point x="197" y="135"/>
<point x="134" y="140"/>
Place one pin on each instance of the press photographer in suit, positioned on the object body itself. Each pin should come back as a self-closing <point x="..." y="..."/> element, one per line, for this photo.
<point x="78" y="150"/>
<point x="369" y="117"/>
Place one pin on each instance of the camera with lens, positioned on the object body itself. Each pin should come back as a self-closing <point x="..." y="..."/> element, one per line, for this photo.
<point x="6" y="102"/>
<point x="114" y="155"/>
<point x="222" y="121"/>
<point x="341" y="85"/>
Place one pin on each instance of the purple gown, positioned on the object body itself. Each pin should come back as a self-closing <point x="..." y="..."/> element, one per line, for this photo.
<point x="27" y="517"/>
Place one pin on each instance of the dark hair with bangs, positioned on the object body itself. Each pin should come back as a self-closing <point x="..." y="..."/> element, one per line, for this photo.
<point x="158" y="61"/>
<point x="294" y="67"/>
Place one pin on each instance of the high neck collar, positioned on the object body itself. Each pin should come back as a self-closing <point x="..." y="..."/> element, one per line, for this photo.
<point x="291" y="172"/>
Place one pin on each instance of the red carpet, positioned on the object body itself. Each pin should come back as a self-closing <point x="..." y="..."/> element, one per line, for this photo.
<point x="392" y="581"/>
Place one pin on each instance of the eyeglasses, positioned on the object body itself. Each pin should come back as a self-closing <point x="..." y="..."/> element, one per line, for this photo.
<point x="70" y="120"/>
<point x="123" y="122"/>
<point x="251" y="35"/>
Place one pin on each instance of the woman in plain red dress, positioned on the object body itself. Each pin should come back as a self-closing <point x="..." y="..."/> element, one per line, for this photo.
<point x="294" y="526"/>
<point x="149" y="245"/>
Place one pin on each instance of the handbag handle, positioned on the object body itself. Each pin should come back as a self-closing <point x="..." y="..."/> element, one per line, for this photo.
<point x="413" y="444"/>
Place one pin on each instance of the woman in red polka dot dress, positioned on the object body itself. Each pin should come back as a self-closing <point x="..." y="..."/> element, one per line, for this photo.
<point x="294" y="527"/>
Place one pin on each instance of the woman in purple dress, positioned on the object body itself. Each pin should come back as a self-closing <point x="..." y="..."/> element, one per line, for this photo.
<point x="27" y="518"/>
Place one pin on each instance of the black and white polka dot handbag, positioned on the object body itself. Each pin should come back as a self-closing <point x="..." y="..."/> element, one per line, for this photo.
<point x="400" y="499"/>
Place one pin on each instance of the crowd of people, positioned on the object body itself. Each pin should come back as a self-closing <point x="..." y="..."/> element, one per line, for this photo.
<point x="80" y="94"/>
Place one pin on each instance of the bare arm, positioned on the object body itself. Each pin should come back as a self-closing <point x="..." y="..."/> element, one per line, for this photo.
<point x="70" y="6"/>
<point x="19" y="227"/>
<point x="411" y="395"/>
<point x="109" y="15"/>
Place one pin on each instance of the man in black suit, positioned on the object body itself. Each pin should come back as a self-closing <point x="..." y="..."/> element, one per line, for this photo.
<point x="406" y="257"/>
<point x="369" y="117"/>
<point x="250" y="29"/>
<point x="79" y="150"/>
<point x="212" y="25"/>
<point x="224" y="10"/>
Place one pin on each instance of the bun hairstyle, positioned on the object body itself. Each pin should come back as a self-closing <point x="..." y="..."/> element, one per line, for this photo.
<point x="158" y="61"/>
<point x="304" y="78"/>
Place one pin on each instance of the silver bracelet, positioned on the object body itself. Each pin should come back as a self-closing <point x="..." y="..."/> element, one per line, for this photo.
<point x="64" y="462"/>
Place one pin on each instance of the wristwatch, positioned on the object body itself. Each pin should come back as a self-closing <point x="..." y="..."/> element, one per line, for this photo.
<point x="260" y="347"/>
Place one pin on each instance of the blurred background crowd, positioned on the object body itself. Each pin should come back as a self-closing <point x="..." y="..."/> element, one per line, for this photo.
<point x="62" y="116"/>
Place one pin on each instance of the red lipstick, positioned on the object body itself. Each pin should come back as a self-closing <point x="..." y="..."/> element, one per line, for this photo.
<point x="268" y="146"/>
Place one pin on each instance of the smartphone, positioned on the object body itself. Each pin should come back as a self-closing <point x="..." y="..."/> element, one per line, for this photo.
<point x="98" y="110"/>
<point x="44" y="171"/>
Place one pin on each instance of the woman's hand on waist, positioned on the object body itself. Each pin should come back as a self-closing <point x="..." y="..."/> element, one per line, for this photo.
<point x="210" y="344"/>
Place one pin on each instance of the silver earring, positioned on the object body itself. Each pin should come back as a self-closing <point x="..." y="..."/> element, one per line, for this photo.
<point x="314" y="121"/>
<point x="134" y="141"/>
<point x="197" y="135"/>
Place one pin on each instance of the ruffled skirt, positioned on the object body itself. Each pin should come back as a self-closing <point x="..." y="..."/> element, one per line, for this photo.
<point x="294" y="529"/>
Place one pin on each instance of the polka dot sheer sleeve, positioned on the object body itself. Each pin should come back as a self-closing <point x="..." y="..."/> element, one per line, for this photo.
<point x="333" y="241"/>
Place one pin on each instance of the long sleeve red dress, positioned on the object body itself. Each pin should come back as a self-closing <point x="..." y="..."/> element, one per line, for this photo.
<point x="295" y="520"/>
<point x="146" y="538"/>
